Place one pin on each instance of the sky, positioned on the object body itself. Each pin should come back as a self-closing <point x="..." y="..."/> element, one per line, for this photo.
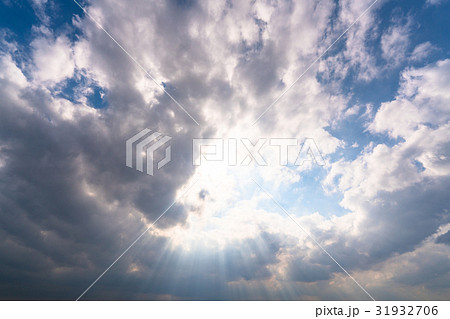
<point x="372" y="90"/>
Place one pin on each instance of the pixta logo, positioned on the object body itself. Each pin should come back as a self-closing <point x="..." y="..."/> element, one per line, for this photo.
<point x="242" y="152"/>
<point x="146" y="146"/>
<point x="231" y="151"/>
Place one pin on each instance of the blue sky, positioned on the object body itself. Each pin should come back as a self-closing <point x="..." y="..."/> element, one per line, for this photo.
<point x="376" y="104"/>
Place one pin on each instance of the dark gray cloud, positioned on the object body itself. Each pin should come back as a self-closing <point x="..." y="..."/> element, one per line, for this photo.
<point x="444" y="239"/>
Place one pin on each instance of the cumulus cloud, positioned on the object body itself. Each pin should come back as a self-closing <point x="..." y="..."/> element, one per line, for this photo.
<point x="405" y="184"/>
<point x="53" y="59"/>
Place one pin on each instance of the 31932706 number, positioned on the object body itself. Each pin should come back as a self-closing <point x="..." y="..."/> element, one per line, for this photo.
<point x="407" y="310"/>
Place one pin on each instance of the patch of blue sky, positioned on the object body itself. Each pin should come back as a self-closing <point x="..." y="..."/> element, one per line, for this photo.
<point x="433" y="24"/>
<point x="21" y="16"/>
<point x="305" y="197"/>
<point x="79" y="87"/>
<point x="97" y="99"/>
<point x="353" y="131"/>
<point x="61" y="15"/>
<point x="308" y="196"/>
<point x="419" y="166"/>
<point x="18" y="17"/>
<point x="16" y="21"/>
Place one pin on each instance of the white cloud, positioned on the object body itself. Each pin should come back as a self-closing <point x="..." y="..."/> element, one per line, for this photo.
<point x="357" y="54"/>
<point x="419" y="115"/>
<point x="395" y="43"/>
<point x="423" y="99"/>
<point x="53" y="59"/>
<point x="435" y="2"/>
<point x="11" y="72"/>
<point x="422" y="51"/>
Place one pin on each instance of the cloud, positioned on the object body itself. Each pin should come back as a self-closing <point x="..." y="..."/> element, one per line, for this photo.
<point x="435" y="2"/>
<point x="416" y="116"/>
<point x="422" y="51"/>
<point x="422" y="101"/>
<point x="356" y="58"/>
<point x="395" y="42"/>
<point x="444" y="239"/>
<point x="53" y="59"/>
<point x="397" y="193"/>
